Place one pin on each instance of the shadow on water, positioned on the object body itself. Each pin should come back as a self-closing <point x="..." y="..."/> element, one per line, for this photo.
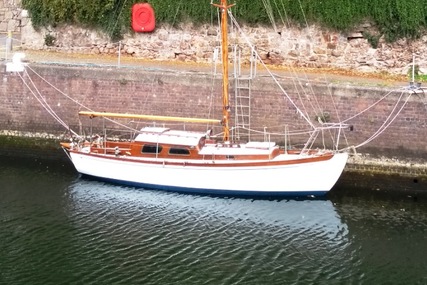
<point x="386" y="218"/>
<point x="39" y="164"/>
<point x="374" y="186"/>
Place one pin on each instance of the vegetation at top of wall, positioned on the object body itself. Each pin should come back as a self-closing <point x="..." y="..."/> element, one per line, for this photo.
<point x="394" y="18"/>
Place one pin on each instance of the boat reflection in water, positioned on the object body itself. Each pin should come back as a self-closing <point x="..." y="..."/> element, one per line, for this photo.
<point x="172" y="236"/>
<point x="315" y="214"/>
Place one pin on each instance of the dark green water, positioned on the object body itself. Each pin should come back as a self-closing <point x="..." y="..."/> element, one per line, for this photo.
<point x="56" y="228"/>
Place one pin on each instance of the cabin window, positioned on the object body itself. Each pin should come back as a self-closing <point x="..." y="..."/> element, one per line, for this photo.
<point x="152" y="148"/>
<point x="179" y="151"/>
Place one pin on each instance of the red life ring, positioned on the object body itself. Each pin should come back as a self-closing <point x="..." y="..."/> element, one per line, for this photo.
<point x="143" y="19"/>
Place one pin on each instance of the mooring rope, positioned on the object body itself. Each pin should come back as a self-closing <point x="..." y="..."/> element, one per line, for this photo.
<point x="387" y="122"/>
<point x="72" y="99"/>
<point x="37" y="95"/>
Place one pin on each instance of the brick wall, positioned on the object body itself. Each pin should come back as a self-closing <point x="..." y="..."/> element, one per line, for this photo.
<point x="192" y="94"/>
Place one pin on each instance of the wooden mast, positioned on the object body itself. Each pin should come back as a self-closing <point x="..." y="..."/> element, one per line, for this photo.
<point x="224" y="51"/>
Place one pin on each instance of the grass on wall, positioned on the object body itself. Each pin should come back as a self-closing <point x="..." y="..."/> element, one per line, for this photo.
<point x="394" y="18"/>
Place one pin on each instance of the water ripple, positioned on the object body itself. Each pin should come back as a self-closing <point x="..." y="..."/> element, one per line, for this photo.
<point x="85" y="232"/>
<point x="174" y="236"/>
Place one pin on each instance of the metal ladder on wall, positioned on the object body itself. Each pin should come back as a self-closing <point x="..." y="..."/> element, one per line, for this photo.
<point x="242" y="93"/>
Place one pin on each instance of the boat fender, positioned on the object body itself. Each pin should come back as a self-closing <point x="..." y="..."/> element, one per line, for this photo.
<point x="117" y="151"/>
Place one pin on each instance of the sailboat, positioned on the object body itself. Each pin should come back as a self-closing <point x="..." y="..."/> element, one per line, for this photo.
<point x="193" y="162"/>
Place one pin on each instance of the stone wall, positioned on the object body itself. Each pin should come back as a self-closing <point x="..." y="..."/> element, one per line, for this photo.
<point x="311" y="47"/>
<point x="196" y="94"/>
<point x="12" y="19"/>
<point x="10" y="16"/>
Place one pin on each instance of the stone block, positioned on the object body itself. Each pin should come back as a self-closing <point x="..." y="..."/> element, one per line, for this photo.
<point x="318" y="50"/>
<point x="13" y="25"/>
<point x="356" y="35"/>
<point x="24" y="13"/>
<point x="313" y="58"/>
<point x="3" y="27"/>
<point x="8" y="14"/>
<point x="293" y="53"/>
<point x="336" y="53"/>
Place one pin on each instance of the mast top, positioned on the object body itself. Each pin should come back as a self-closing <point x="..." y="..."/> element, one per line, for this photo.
<point x="223" y="5"/>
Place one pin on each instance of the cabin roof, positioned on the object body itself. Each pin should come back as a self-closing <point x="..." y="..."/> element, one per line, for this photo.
<point x="167" y="136"/>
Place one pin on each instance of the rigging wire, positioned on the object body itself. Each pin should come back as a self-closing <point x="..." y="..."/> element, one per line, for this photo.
<point x="77" y="102"/>
<point x="387" y="123"/>
<point x="295" y="79"/>
<point x="335" y="109"/>
<point x="269" y="10"/>
<point x="293" y="133"/>
<point x="177" y="11"/>
<point x="317" y="103"/>
<point x="111" y="27"/>
<point x="270" y="73"/>
<point x="37" y="95"/>
<point x="280" y="14"/>
<point x="369" y="107"/>
<point x="389" y="120"/>
<point x="297" y="82"/>
<point x="316" y="106"/>
<point x="303" y="14"/>
<point x="330" y="126"/>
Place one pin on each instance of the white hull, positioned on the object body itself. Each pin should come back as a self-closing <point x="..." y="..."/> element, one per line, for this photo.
<point x="296" y="179"/>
